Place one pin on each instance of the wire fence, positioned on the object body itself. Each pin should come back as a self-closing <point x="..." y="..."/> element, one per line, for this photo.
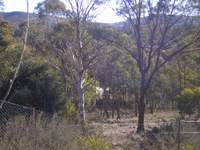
<point x="29" y="129"/>
<point x="174" y="134"/>
<point x="189" y="133"/>
<point x="10" y="110"/>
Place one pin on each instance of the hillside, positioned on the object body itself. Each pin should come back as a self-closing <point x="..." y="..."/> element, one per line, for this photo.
<point x="19" y="17"/>
<point x="15" y="17"/>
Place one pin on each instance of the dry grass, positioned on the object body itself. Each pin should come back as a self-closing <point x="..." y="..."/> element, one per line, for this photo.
<point x="57" y="134"/>
<point x="122" y="133"/>
<point x="46" y="134"/>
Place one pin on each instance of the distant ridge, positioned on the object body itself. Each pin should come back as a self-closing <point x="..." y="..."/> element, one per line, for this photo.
<point x="15" y="17"/>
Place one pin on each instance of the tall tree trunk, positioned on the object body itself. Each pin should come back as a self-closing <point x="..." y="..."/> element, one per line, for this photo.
<point x="141" y="111"/>
<point x="136" y="109"/>
<point x="81" y="101"/>
<point x="136" y="103"/>
<point x="152" y="106"/>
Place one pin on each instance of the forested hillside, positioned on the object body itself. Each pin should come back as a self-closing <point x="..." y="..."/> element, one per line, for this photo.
<point x="15" y="17"/>
<point x="143" y="72"/>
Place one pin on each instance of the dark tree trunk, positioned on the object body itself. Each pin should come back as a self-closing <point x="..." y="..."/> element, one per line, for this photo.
<point x="136" y="104"/>
<point x="141" y="111"/>
<point x="152" y="106"/>
<point x="136" y="109"/>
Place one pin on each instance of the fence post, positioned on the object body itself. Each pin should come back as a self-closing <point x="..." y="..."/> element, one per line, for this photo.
<point x="34" y="130"/>
<point x="179" y="134"/>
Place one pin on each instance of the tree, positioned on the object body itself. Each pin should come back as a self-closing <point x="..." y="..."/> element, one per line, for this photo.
<point x="117" y="69"/>
<point x="7" y="50"/>
<point x="77" y="50"/>
<point x="6" y="35"/>
<point x="158" y="30"/>
<point x="50" y="8"/>
<point x="36" y="85"/>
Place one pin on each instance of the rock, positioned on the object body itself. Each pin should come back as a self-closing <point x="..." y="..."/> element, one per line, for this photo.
<point x="155" y="130"/>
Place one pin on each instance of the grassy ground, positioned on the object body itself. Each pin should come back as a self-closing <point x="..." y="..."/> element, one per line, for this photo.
<point x="102" y="134"/>
<point x="48" y="134"/>
<point x="120" y="131"/>
<point x="161" y="131"/>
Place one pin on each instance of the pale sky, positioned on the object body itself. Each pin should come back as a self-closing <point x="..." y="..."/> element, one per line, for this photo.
<point x="106" y="13"/>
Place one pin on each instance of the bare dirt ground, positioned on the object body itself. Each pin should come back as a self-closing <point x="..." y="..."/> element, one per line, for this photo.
<point x="121" y="132"/>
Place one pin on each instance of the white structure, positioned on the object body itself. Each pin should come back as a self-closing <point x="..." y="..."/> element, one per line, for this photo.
<point x="99" y="91"/>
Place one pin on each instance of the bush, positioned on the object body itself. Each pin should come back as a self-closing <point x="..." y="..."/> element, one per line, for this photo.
<point x="90" y="92"/>
<point x="94" y="143"/>
<point x="70" y="111"/>
<point x="188" y="101"/>
<point x="189" y="147"/>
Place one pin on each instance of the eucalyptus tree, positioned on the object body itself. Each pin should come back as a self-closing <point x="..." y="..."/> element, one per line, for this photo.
<point x="77" y="50"/>
<point x="158" y="29"/>
<point x="6" y="52"/>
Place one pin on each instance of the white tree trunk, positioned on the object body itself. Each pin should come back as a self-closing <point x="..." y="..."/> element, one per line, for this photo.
<point x="81" y="100"/>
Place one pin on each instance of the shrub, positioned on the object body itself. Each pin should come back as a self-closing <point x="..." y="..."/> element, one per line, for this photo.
<point x="189" y="147"/>
<point x="188" y="101"/>
<point x="90" y="92"/>
<point x="70" y="111"/>
<point x="94" y="142"/>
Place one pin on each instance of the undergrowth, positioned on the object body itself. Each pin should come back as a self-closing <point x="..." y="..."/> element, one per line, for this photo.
<point x="43" y="133"/>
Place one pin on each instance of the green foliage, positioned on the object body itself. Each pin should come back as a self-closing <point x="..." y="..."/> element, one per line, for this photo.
<point x="51" y="7"/>
<point x="94" y="142"/>
<point x="36" y="87"/>
<point x="9" y="51"/>
<point x="36" y="84"/>
<point x="189" y="147"/>
<point x="90" y="85"/>
<point x="6" y="36"/>
<point x="188" y="101"/>
<point x="70" y="110"/>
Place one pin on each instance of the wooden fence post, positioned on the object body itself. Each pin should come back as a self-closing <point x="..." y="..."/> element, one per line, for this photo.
<point x="34" y="130"/>
<point x="179" y="134"/>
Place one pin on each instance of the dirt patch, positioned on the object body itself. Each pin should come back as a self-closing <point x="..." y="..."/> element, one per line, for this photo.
<point x="121" y="132"/>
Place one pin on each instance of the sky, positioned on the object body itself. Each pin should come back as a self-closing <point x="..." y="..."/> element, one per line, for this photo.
<point x="106" y="13"/>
